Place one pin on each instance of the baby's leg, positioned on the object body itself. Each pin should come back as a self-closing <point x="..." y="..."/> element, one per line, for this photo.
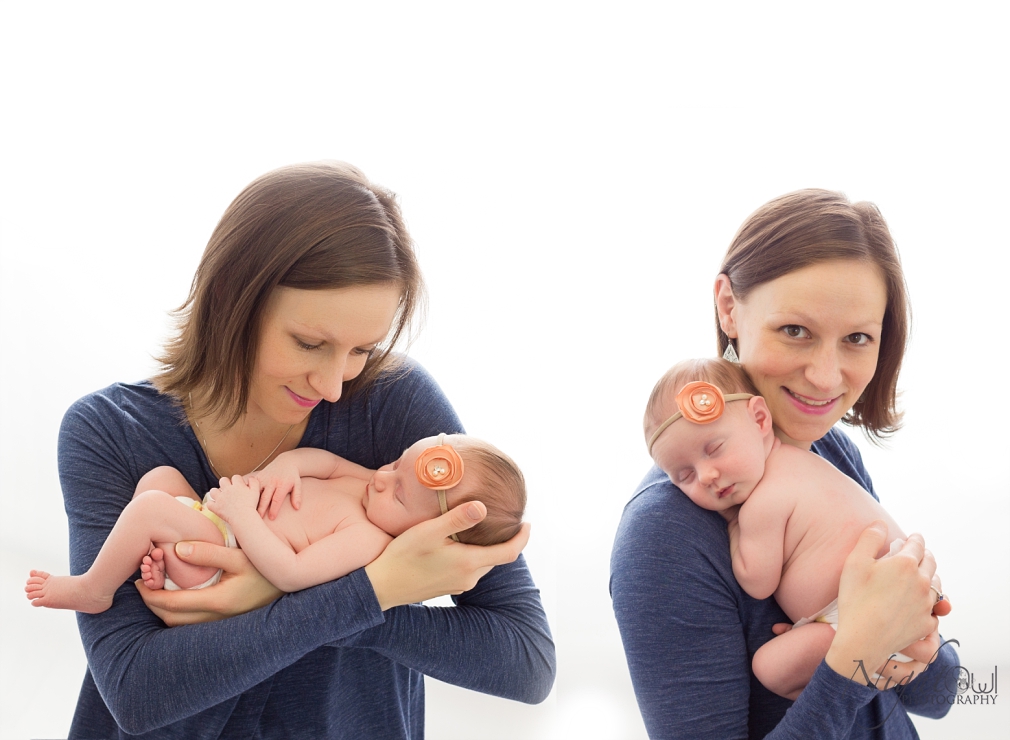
<point x="152" y="567"/>
<point x="152" y="516"/>
<point x="786" y="663"/>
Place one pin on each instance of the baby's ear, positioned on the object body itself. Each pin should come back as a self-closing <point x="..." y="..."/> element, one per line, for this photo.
<point x="759" y="412"/>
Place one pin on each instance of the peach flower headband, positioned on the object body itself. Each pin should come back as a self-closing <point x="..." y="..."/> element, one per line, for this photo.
<point x="440" y="468"/>
<point x="699" y="402"/>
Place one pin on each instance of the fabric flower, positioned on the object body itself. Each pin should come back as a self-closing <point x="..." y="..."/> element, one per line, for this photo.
<point x="439" y="467"/>
<point x="700" y="402"/>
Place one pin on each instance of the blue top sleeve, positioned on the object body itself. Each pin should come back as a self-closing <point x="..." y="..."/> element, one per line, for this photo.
<point x="277" y="671"/>
<point x="690" y="632"/>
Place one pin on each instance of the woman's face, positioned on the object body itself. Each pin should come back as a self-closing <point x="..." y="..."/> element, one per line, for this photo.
<point x="311" y="341"/>
<point x="809" y="341"/>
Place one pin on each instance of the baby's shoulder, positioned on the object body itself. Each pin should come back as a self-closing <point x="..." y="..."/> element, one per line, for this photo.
<point x="791" y="473"/>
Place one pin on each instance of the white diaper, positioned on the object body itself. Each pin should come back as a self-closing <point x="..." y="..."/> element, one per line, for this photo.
<point x="221" y="524"/>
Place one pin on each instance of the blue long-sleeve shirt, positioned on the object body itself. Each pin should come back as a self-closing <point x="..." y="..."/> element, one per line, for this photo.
<point x="323" y="662"/>
<point x="690" y="632"/>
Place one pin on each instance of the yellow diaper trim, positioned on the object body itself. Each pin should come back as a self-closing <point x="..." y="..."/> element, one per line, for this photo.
<point x="217" y="521"/>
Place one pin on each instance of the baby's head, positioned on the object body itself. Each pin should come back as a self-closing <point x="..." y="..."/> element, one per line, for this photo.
<point x="396" y="499"/>
<point x="715" y="448"/>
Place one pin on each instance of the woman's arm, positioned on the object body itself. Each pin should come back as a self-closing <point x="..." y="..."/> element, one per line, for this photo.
<point x="689" y="632"/>
<point x="199" y="668"/>
<point x="496" y="640"/>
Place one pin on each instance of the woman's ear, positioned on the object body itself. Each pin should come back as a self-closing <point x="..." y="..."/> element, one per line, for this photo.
<point x="725" y="303"/>
<point x="759" y="412"/>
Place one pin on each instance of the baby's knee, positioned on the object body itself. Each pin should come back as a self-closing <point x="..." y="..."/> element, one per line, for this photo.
<point x="164" y="478"/>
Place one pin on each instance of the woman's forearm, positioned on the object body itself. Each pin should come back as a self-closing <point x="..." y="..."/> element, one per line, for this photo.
<point x="196" y="668"/>
<point x="496" y="640"/>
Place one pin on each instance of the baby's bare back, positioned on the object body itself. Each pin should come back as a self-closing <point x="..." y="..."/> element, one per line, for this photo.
<point x="327" y="505"/>
<point x="829" y="510"/>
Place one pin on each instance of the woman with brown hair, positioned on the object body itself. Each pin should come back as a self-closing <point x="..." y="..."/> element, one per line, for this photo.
<point x="306" y="284"/>
<point x="811" y="302"/>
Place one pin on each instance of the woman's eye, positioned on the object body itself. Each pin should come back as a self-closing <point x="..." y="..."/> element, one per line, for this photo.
<point x="306" y="345"/>
<point x="795" y="331"/>
<point x="858" y="338"/>
<point x="362" y="351"/>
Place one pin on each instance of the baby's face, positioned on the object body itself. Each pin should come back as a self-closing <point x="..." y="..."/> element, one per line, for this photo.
<point x="717" y="465"/>
<point x="395" y="500"/>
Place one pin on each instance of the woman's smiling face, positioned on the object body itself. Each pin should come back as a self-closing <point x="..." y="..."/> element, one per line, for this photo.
<point x="809" y="341"/>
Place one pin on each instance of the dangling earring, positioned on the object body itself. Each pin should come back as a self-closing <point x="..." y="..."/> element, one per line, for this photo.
<point x="730" y="353"/>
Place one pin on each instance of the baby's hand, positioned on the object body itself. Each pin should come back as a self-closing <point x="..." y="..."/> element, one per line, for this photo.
<point x="233" y="498"/>
<point x="278" y="479"/>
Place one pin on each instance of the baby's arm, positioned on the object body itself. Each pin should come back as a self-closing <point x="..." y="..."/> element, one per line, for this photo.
<point x="335" y="555"/>
<point x="283" y="476"/>
<point x="756" y="542"/>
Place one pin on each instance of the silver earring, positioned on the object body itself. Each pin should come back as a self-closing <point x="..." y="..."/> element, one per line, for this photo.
<point x="730" y="353"/>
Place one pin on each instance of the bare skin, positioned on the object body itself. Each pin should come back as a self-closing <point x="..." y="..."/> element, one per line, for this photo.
<point x="793" y="521"/>
<point x="308" y="518"/>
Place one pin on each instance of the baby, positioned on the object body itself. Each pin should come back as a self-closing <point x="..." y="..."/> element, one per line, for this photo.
<point x="798" y="518"/>
<point x="338" y="517"/>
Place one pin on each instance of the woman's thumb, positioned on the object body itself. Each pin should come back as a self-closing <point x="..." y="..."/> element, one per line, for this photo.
<point x="870" y="540"/>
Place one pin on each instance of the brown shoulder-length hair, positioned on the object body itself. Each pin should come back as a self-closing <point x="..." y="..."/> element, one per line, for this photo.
<point x="309" y="226"/>
<point x="811" y="226"/>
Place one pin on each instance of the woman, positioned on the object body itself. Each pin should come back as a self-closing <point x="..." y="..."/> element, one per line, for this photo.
<point x="811" y="299"/>
<point x="284" y="342"/>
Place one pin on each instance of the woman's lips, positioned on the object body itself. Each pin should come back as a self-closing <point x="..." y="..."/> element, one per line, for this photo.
<point x="305" y="403"/>
<point x="809" y="405"/>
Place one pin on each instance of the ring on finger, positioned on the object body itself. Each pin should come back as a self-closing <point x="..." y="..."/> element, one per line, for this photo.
<point x="939" y="596"/>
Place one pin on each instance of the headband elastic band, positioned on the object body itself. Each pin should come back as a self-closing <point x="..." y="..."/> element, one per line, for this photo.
<point x="441" y="491"/>
<point x="679" y="414"/>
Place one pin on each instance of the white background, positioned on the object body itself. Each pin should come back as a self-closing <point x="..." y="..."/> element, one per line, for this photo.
<point x="572" y="175"/>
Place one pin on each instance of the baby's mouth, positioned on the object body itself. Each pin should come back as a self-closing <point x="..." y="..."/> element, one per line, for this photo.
<point x="724" y="492"/>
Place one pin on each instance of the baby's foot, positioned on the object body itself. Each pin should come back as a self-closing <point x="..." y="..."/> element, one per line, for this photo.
<point x="152" y="569"/>
<point x="64" y="592"/>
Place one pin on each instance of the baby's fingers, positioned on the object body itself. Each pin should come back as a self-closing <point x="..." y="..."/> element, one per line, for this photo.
<point x="296" y="494"/>
<point x="280" y="493"/>
<point x="266" y="496"/>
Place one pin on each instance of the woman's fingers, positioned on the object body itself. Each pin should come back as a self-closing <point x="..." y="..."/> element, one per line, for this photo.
<point x="923" y="651"/>
<point x="240" y="590"/>
<point x="204" y="553"/>
<point x="508" y="551"/>
<point x="423" y="562"/>
<point x="883" y="605"/>
<point x="870" y="542"/>
<point x="461" y="518"/>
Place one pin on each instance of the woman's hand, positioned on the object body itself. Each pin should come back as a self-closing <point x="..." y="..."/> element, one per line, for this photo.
<point x="883" y="606"/>
<point x="423" y="562"/>
<point x="240" y="590"/>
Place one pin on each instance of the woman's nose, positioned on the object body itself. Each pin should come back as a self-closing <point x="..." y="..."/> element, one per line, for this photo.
<point x="328" y="379"/>
<point x="823" y="371"/>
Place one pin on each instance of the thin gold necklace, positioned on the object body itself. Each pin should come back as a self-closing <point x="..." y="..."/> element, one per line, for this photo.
<point x="206" y="450"/>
